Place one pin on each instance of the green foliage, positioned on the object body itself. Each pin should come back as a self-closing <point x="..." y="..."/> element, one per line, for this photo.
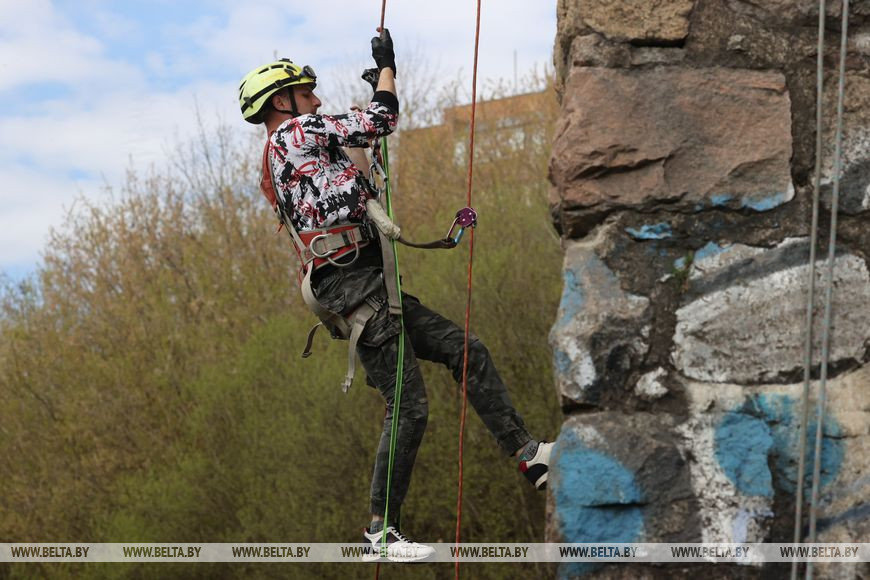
<point x="151" y="387"/>
<point x="681" y="270"/>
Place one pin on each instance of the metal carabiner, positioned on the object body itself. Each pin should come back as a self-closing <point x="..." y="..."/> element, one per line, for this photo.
<point x="377" y="176"/>
<point x="466" y="217"/>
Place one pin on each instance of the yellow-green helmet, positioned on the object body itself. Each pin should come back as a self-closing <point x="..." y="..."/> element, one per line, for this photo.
<point x="260" y="84"/>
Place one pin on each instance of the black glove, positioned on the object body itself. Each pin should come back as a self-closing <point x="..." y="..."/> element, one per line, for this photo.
<point x="371" y="76"/>
<point x="382" y="51"/>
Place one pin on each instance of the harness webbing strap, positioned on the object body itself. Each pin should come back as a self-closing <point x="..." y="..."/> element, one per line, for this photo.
<point x="306" y="352"/>
<point x="327" y="316"/>
<point x="360" y="317"/>
<point x="321" y="245"/>
<point x="324" y="244"/>
<point x="270" y="190"/>
<point x="391" y="280"/>
<point x="350" y="327"/>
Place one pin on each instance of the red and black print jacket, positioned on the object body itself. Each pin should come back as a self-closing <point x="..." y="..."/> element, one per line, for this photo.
<point x="318" y="184"/>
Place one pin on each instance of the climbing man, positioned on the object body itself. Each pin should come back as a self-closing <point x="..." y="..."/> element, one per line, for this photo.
<point x="327" y="205"/>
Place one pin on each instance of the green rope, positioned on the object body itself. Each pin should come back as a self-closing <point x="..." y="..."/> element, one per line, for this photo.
<point x="400" y="364"/>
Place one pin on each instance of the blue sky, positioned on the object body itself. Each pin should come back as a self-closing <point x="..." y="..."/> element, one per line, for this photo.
<point x="89" y="88"/>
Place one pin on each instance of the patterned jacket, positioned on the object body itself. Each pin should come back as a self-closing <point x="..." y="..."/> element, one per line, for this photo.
<point x="316" y="180"/>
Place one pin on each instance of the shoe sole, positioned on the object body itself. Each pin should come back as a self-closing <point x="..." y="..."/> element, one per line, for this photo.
<point x="372" y="558"/>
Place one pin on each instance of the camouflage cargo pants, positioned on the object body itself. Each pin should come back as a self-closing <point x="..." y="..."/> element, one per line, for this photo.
<point x="429" y="336"/>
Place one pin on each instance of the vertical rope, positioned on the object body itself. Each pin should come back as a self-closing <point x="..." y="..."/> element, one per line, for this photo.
<point x="397" y="391"/>
<point x="470" y="181"/>
<point x="829" y="289"/>
<point x="814" y="240"/>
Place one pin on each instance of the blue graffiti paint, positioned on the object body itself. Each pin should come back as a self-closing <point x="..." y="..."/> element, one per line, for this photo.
<point x="742" y="445"/>
<point x="767" y="426"/>
<point x="596" y="498"/>
<point x="721" y="199"/>
<point x="783" y="415"/>
<point x="562" y="361"/>
<point x="572" y="297"/>
<point x="657" y="231"/>
<point x="763" y="204"/>
<point x="709" y="250"/>
<point x="758" y="204"/>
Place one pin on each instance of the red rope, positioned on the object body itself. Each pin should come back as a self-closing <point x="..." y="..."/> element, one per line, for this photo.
<point x="468" y="295"/>
<point x="383" y="12"/>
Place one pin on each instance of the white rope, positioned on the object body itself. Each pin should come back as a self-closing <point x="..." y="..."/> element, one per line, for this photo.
<point x="829" y="281"/>
<point x="811" y="284"/>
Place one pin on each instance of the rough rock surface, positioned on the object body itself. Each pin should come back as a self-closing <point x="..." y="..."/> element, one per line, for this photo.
<point x="637" y="21"/>
<point x="649" y="22"/>
<point x="686" y="138"/>
<point x="621" y="478"/>
<point x="651" y="386"/>
<point x="744" y="318"/>
<point x="855" y="154"/>
<point x="683" y="162"/>
<point x="594" y="312"/>
<point x="743" y="444"/>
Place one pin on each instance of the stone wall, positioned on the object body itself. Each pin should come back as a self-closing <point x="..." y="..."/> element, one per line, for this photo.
<point x="682" y="175"/>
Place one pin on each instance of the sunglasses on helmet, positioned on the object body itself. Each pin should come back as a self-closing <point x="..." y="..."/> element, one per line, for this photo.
<point x="306" y="71"/>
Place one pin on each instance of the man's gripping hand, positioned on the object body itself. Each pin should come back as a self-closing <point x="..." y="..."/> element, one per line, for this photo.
<point x="382" y="51"/>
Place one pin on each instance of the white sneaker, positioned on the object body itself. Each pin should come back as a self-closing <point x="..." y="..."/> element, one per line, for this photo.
<point x="537" y="468"/>
<point x="397" y="549"/>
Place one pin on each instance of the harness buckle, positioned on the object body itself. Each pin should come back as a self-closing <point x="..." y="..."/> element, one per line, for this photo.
<point x="344" y="264"/>
<point x="312" y="246"/>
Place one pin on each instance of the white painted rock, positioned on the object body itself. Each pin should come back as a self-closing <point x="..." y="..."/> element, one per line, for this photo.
<point x="745" y="315"/>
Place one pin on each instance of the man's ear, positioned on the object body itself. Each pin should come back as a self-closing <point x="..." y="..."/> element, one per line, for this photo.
<point x="276" y="100"/>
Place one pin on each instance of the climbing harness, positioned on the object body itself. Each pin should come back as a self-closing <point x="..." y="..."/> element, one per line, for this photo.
<point x="319" y="248"/>
<point x="340" y="246"/>
<point x="826" y="325"/>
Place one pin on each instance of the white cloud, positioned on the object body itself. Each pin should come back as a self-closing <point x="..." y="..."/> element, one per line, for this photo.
<point x="120" y="130"/>
<point x="38" y="46"/>
<point x="32" y="202"/>
<point x="114" y="127"/>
